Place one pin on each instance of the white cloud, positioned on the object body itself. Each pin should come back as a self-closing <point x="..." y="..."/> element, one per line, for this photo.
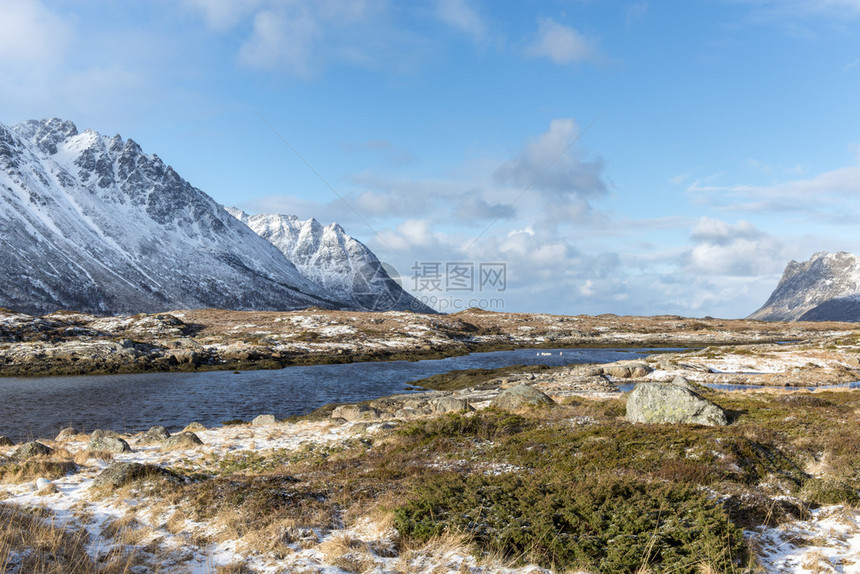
<point x="282" y="40"/>
<point x="734" y="250"/>
<point x="302" y="37"/>
<point x="830" y="196"/>
<point x="562" y="44"/>
<point x="460" y="16"/>
<point x="31" y="35"/>
<point x="221" y="15"/>
<point x="556" y="173"/>
<point x="719" y="232"/>
<point x="475" y="208"/>
<point x="635" y="12"/>
<point x="679" y="179"/>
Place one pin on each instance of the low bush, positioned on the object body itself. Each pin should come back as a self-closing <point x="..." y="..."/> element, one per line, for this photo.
<point x="599" y="524"/>
<point x="828" y="490"/>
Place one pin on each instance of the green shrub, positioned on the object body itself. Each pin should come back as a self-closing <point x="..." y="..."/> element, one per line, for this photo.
<point x="828" y="491"/>
<point x="488" y="424"/>
<point x="605" y="525"/>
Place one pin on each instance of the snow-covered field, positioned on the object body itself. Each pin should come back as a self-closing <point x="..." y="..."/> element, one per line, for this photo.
<point x="370" y="543"/>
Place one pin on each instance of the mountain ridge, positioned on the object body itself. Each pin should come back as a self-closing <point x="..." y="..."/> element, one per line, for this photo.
<point x="824" y="288"/>
<point x="330" y="257"/>
<point x="92" y="223"/>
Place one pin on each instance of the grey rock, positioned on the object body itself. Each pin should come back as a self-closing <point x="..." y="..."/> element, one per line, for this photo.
<point x="449" y="404"/>
<point x="121" y="473"/>
<point x="354" y="413"/>
<point x="194" y="427"/>
<point x="99" y="433"/>
<point x="519" y="397"/>
<point x="263" y="420"/>
<point x="67" y="433"/>
<point x="109" y="444"/>
<point x="31" y="449"/>
<point x="155" y="434"/>
<point x="657" y="403"/>
<point x="627" y="370"/>
<point x="181" y="440"/>
<point x="184" y="357"/>
<point x="680" y="381"/>
<point x="6" y="441"/>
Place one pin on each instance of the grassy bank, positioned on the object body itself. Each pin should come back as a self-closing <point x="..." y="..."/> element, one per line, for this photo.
<point x="570" y="488"/>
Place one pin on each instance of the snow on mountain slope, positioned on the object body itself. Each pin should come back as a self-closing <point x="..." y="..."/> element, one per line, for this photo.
<point x="825" y="288"/>
<point x="91" y="223"/>
<point x="333" y="259"/>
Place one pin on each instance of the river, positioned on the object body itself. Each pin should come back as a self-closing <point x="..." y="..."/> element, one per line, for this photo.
<point x="39" y="407"/>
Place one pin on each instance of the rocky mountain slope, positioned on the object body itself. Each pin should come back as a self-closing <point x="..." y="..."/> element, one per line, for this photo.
<point x="92" y="223"/>
<point x="825" y="288"/>
<point x="328" y="256"/>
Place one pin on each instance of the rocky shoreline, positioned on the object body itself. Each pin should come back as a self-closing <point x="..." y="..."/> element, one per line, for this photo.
<point x="68" y="343"/>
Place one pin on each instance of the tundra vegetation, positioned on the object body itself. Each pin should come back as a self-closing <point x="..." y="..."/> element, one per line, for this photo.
<point x="569" y="487"/>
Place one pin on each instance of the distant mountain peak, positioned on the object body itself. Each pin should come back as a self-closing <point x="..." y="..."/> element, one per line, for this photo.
<point x="824" y="288"/>
<point x="335" y="260"/>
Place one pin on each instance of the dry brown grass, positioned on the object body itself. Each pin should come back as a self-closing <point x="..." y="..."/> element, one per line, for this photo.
<point x="36" y="467"/>
<point x="33" y="542"/>
<point x="416" y="559"/>
<point x="84" y="456"/>
<point x="176" y="523"/>
<point x="127" y="530"/>
<point x="232" y="568"/>
<point x="817" y="563"/>
<point x="347" y="553"/>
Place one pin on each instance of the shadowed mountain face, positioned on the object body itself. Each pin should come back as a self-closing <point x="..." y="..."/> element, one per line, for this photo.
<point x="825" y="288"/>
<point x="91" y="223"/>
<point x="341" y="264"/>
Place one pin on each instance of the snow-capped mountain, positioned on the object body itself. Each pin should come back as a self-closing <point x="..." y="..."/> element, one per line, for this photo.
<point x="328" y="256"/>
<point x="91" y="223"/>
<point x="825" y="288"/>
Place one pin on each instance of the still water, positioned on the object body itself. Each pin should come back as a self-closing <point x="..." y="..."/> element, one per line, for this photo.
<point x="40" y="407"/>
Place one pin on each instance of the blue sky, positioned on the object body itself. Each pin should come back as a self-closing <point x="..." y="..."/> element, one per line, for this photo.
<point x="634" y="157"/>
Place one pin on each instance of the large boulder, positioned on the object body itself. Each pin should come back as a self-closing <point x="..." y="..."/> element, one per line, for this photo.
<point x="67" y="434"/>
<point x="155" y="434"/>
<point x="263" y="420"/>
<point x="121" y="473"/>
<point x="109" y="444"/>
<point x="520" y="396"/>
<point x="627" y="370"/>
<point x="450" y="405"/>
<point x="672" y="403"/>
<point x="353" y="413"/>
<point x="100" y="433"/>
<point x="31" y="449"/>
<point x="181" y="440"/>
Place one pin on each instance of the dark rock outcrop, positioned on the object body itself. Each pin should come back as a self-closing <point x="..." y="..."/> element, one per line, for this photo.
<point x="31" y="449"/>
<point x="120" y="474"/>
